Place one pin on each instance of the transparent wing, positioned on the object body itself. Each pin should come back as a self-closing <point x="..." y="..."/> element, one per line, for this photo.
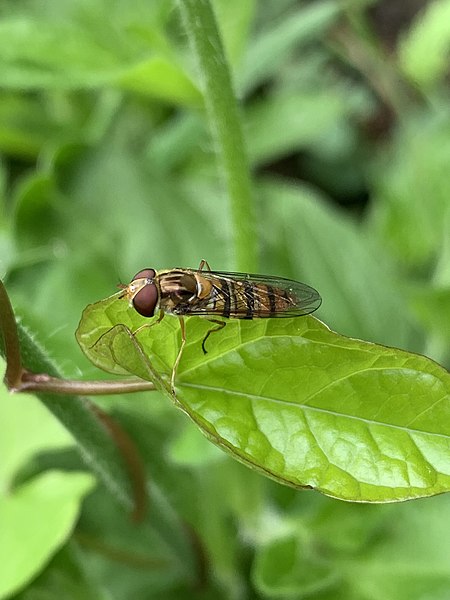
<point x="264" y="292"/>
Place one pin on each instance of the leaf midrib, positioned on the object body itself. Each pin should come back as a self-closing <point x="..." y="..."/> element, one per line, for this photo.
<point x="307" y="407"/>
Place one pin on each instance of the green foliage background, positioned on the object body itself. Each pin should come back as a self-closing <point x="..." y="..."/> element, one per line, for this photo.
<point x="107" y="166"/>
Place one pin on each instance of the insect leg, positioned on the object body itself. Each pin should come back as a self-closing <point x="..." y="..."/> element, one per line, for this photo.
<point x="158" y="320"/>
<point x="221" y="325"/>
<point x="180" y="352"/>
<point x="204" y="263"/>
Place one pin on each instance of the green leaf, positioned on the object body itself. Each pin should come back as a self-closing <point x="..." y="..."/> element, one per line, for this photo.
<point x="362" y="295"/>
<point x="190" y="448"/>
<point x="24" y="125"/>
<point x="235" y="18"/>
<point x="425" y="50"/>
<point x="298" y="402"/>
<point x="415" y="167"/>
<point x="75" y="48"/>
<point x="57" y="55"/>
<point x="100" y="449"/>
<point x="67" y="572"/>
<point x="271" y="47"/>
<point x="287" y="568"/>
<point x="433" y="308"/>
<point x="37" y="202"/>
<point x="160" y="78"/>
<point x="408" y="558"/>
<point x="289" y="121"/>
<point x="27" y="428"/>
<point x="35" y="520"/>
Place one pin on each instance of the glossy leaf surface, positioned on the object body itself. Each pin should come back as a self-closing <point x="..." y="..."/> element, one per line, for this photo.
<point x="291" y="398"/>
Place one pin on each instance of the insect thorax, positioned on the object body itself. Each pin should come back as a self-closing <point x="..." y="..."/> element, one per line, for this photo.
<point x="180" y="291"/>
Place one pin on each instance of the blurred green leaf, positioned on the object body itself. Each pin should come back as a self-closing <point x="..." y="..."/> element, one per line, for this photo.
<point x="24" y="125"/>
<point x="27" y="429"/>
<point x="173" y="144"/>
<point x="274" y="393"/>
<point x="288" y="568"/>
<point x="414" y="189"/>
<point x="424" y="51"/>
<point x="7" y="251"/>
<point x="65" y="571"/>
<point x="37" y="202"/>
<point x="289" y="121"/>
<point x="235" y="18"/>
<point x="35" y="520"/>
<point x="432" y="308"/>
<point x="396" y="552"/>
<point x="294" y="30"/>
<point x="193" y="449"/>
<point x="55" y="56"/>
<point x="162" y="79"/>
<point x="107" y="459"/>
<point x="362" y="294"/>
<point x="408" y="562"/>
<point x="75" y="47"/>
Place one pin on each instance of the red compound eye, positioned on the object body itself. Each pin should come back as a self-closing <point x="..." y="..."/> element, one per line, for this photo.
<point x="146" y="299"/>
<point x="145" y="274"/>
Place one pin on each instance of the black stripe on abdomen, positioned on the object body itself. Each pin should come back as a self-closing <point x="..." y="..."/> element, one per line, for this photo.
<point x="250" y="299"/>
<point x="226" y="310"/>
<point x="272" y="302"/>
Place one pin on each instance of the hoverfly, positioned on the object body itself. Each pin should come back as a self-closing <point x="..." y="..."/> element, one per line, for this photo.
<point x="185" y="292"/>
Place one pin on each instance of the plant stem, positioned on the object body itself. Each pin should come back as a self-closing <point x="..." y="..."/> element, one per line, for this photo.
<point x="32" y="382"/>
<point x="222" y="110"/>
<point x="11" y="342"/>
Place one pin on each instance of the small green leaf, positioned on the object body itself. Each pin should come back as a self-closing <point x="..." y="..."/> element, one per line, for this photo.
<point x="35" y="521"/>
<point x="294" y="400"/>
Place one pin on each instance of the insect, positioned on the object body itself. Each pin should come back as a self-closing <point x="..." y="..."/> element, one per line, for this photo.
<point x="185" y="292"/>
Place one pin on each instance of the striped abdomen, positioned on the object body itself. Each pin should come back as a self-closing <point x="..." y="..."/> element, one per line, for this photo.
<point x="247" y="300"/>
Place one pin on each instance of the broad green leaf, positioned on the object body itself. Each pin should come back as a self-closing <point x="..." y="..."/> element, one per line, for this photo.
<point x="35" y="520"/>
<point x="302" y="404"/>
